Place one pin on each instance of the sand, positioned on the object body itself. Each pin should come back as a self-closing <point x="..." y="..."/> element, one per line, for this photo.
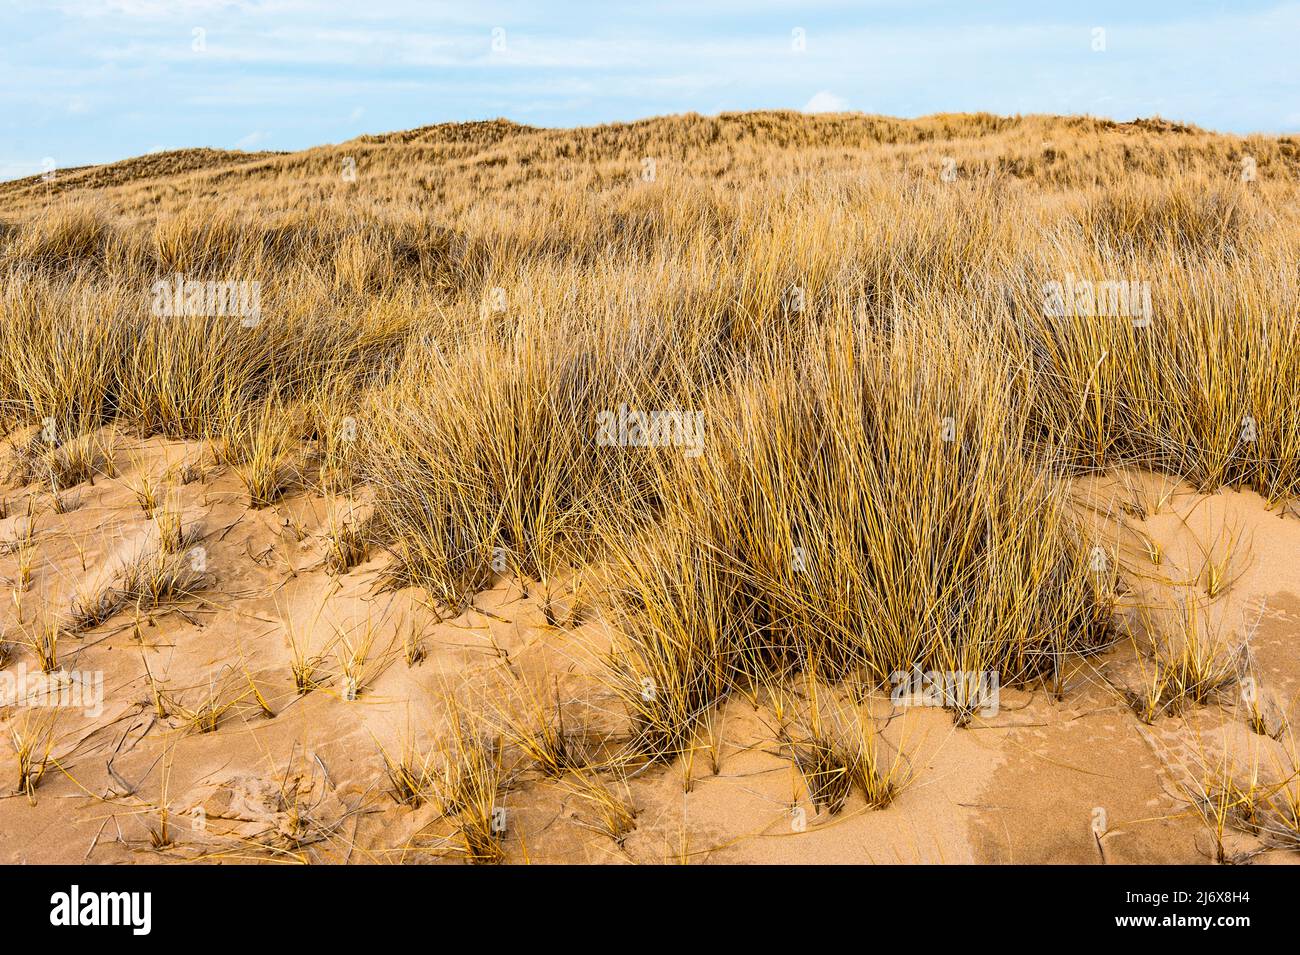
<point x="307" y="784"/>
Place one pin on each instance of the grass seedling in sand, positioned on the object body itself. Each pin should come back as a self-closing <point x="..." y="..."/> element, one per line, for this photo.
<point x="261" y="701"/>
<point x="205" y="716"/>
<point x="155" y="690"/>
<point x="26" y="564"/>
<point x="33" y="740"/>
<point x="160" y="835"/>
<point x="1190" y="663"/>
<point x="615" y="814"/>
<point x="172" y="535"/>
<point x="145" y="489"/>
<point x="837" y="752"/>
<point x="303" y="663"/>
<point x="413" y="649"/>
<point x="23" y="546"/>
<point x="1150" y="546"/>
<point x="1223" y="562"/>
<point x="352" y="651"/>
<point x="467" y="786"/>
<point x="43" y="641"/>
<point x="712" y="727"/>
<point x="347" y="542"/>
<point x="411" y="776"/>
<point x="62" y="502"/>
<point x="535" y="724"/>
<point x="260" y="447"/>
<point x="1263" y="715"/>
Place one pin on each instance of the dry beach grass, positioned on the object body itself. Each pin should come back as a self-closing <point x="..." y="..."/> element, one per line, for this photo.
<point x="400" y="503"/>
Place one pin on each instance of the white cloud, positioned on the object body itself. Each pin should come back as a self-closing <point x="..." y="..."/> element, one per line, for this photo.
<point x="824" y="101"/>
<point x="251" y="140"/>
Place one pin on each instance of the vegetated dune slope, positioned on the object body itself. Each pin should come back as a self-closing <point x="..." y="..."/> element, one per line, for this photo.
<point x="380" y="563"/>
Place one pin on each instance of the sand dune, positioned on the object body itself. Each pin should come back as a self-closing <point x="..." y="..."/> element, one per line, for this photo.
<point x="360" y="583"/>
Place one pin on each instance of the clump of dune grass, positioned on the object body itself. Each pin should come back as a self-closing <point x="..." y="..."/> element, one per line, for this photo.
<point x="159" y="573"/>
<point x="467" y="785"/>
<point x="671" y="658"/>
<point x="304" y="663"/>
<point x="172" y="534"/>
<point x="856" y="498"/>
<point x="339" y="440"/>
<point x="358" y="665"/>
<point x="1115" y="388"/>
<point x="1200" y="218"/>
<point x="1279" y="826"/>
<point x="94" y="606"/>
<point x="64" y="464"/>
<point x="485" y="460"/>
<point x="1222" y="798"/>
<point x="1191" y="663"/>
<point x="154" y="577"/>
<point x="465" y="754"/>
<point x="71" y="233"/>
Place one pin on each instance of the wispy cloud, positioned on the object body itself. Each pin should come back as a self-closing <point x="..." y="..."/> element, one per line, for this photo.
<point x="824" y="101"/>
<point x="93" y="81"/>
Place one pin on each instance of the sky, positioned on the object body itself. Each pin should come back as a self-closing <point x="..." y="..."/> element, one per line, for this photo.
<point x="89" y="81"/>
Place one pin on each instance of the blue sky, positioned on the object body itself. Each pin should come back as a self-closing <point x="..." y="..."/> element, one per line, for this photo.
<point x="96" y="80"/>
